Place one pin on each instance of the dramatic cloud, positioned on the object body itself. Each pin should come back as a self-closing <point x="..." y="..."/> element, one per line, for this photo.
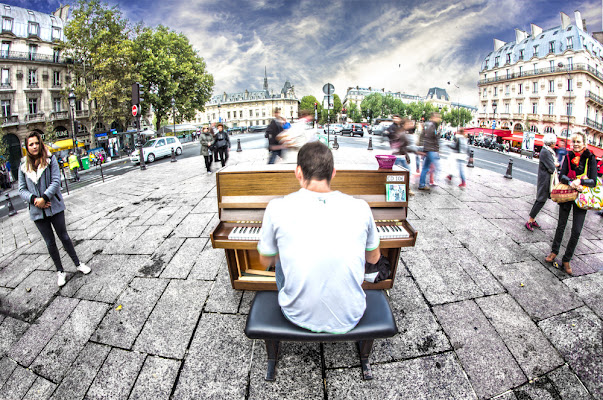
<point x="406" y="45"/>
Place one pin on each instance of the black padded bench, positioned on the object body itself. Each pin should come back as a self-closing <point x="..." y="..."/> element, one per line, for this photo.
<point x="266" y="321"/>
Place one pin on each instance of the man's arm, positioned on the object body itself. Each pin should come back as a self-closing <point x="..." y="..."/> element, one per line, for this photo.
<point x="371" y="256"/>
<point x="267" y="261"/>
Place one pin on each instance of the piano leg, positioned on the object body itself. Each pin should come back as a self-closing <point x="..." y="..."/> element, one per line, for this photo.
<point x="364" y="348"/>
<point x="272" y="348"/>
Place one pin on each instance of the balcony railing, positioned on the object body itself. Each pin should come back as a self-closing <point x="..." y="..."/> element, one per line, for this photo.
<point x="12" y="120"/>
<point x="533" y="117"/>
<point x="82" y="113"/>
<point x="6" y="86"/>
<point x="549" y="118"/>
<point x="56" y="115"/>
<point x="594" y="97"/>
<point x="35" y="117"/>
<point x="542" y="71"/>
<point x="25" y="56"/>
<point x="593" y="124"/>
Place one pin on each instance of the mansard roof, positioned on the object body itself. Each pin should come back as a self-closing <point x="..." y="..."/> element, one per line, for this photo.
<point x="438" y="93"/>
<point x="251" y="95"/>
<point x="22" y="16"/>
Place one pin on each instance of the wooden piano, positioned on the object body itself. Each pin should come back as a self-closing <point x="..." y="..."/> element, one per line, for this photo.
<point x="244" y="192"/>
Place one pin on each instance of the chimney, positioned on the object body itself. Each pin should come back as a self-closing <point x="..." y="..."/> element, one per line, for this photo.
<point x="584" y="24"/>
<point x="536" y="30"/>
<point x="565" y="20"/>
<point x="578" y="20"/>
<point x="520" y="35"/>
<point x="498" y="44"/>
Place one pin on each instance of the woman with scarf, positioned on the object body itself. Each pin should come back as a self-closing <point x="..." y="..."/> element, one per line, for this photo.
<point x="548" y="164"/>
<point x="206" y="140"/>
<point x="578" y="170"/>
<point x="40" y="187"/>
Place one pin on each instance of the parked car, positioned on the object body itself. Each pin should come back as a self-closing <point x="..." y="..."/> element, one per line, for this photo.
<point x="257" y="128"/>
<point x="378" y="130"/>
<point x="236" y="129"/>
<point x="157" y="148"/>
<point x="352" y="129"/>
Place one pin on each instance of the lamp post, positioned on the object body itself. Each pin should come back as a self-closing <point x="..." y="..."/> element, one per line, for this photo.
<point x="219" y="118"/>
<point x="174" y="114"/>
<point x="458" y="105"/>
<point x="569" y="103"/>
<point x="72" y="106"/>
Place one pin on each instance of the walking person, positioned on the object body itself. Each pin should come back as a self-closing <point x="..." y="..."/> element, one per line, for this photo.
<point x="431" y="148"/>
<point x="578" y="170"/>
<point x="274" y="129"/>
<point x="547" y="165"/>
<point x="206" y="140"/>
<point x="459" y="155"/>
<point x="74" y="165"/>
<point x="40" y="187"/>
<point x="222" y="142"/>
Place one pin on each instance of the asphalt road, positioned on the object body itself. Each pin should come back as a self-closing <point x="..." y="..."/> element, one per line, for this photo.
<point x="523" y="169"/>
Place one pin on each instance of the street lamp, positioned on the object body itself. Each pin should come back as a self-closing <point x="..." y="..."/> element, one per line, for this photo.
<point x="458" y="105"/>
<point x="219" y="118"/>
<point x="569" y="102"/>
<point x="174" y="114"/>
<point x="72" y="106"/>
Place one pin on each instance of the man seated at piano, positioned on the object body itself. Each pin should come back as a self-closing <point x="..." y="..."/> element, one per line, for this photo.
<point x="319" y="240"/>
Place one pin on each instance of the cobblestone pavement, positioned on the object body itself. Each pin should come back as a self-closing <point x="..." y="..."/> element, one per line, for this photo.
<point x="480" y="314"/>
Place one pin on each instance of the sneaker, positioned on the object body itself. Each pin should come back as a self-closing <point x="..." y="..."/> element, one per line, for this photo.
<point x="424" y="188"/>
<point x="463" y="184"/>
<point x="208" y="172"/>
<point x="84" y="269"/>
<point x="449" y="177"/>
<point x="529" y="226"/>
<point x="535" y="225"/>
<point x="433" y="184"/>
<point x="61" y="278"/>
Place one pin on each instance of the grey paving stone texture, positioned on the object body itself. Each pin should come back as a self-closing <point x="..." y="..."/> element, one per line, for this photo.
<point x="184" y="259"/>
<point x="117" y="375"/>
<point x="18" y="384"/>
<point x="156" y="379"/>
<point x="40" y="390"/>
<point x="11" y="330"/>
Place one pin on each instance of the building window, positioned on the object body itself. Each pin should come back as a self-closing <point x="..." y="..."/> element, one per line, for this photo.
<point x="5" y="77"/>
<point x="240" y="113"/>
<point x="508" y="58"/>
<point x="520" y="71"/>
<point x="33" y="50"/>
<point x="250" y="113"/>
<point x="495" y="91"/>
<point x="33" y="28"/>
<point x="551" y="108"/>
<point x="32" y="78"/>
<point x="56" y="78"/>
<point x="521" y="54"/>
<point x="496" y="76"/>
<point x="548" y="129"/>
<point x="496" y="61"/>
<point x="6" y="108"/>
<point x="535" y="68"/>
<point x="587" y="111"/>
<point x="533" y="128"/>
<point x="78" y="105"/>
<point x="536" y="51"/>
<point x="7" y="24"/>
<point x="507" y="89"/>
<point x="570" y="62"/>
<point x="568" y="109"/>
<point x="534" y="108"/>
<point x="519" y="108"/>
<point x="485" y="92"/>
<point x="56" y="55"/>
<point x="5" y="50"/>
<point x="33" y="105"/>
<point x="551" y="47"/>
<point x="552" y="65"/>
<point x="506" y="108"/>
<point x="56" y="33"/>
<point x="570" y="84"/>
<point x="535" y="87"/>
<point x="551" y="86"/>
<point x="56" y="102"/>
<point x="508" y="73"/>
<point x="570" y="42"/>
<point x="520" y="91"/>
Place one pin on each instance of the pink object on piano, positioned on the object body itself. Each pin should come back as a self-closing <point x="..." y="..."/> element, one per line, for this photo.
<point x="386" y="161"/>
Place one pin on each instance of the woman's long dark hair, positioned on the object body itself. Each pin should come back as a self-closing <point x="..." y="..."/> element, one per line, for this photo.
<point x="41" y="160"/>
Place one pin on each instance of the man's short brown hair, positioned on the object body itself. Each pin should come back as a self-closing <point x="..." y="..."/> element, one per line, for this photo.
<point x="316" y="161"/>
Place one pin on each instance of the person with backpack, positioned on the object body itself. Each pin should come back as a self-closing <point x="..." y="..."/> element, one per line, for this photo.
<point x="222" y="143"/>
<point x="40" y="187"/>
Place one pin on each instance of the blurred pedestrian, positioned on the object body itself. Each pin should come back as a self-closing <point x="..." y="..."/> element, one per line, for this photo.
<point x="214" y="131"/>
<point x="431" y="148"/>
<point x="578" y="170"/>
<point x="274" y="129"/>
<point x="300" y="133"/>
<point x="546" y="167"/>
<point x="561" y="152"/>
<point x="206" y="140"/>
<point x="40" y="187"/>
<point x="222" y="143"/>
<point x="397" y="140"/>
<point x="74" y="165"/>
<point x="459" y="156"/>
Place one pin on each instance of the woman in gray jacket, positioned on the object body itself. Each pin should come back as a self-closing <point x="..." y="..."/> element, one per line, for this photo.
<point x="40" y="187"/>
<point x="546" y="167"/>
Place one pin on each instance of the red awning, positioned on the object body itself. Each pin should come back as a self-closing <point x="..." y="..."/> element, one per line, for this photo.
<point x="597" y="151"/>
<point x="518" y="137"/>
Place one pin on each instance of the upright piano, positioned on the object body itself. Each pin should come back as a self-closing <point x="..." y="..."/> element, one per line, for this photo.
<point x="243" y="192"/>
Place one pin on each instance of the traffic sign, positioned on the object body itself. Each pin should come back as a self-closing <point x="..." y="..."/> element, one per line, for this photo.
<point x="134" y="110"/>
<point x="328" y="89"/>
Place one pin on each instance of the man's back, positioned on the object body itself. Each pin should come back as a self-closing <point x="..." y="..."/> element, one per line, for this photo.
<point x="321" y="240"/>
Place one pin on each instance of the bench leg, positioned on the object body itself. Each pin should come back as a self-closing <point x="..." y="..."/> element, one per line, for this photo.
<point x="364" y="348"/>
<point x="272" y="348"/>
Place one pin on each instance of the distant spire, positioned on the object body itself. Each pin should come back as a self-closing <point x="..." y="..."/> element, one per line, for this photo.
<point x="265" y="79"/>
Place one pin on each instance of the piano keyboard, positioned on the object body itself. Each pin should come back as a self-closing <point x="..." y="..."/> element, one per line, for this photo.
<point x="245" y="233"/>
<point x="391" y="232"/>
<point x="253" y="232"/>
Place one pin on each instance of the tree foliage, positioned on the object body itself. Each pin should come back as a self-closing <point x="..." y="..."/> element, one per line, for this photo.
<point x="171" y="69"/>
<point x="337" y="106"/>
<point x="457" y="117"/>
<point x="307" y="103"/>
<point x="354" y="113"/>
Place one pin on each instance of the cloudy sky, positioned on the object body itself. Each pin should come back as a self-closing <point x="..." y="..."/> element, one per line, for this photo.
<point x="403" y="45"/>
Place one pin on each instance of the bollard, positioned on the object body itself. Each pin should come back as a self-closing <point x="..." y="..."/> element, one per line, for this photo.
<point x="239" y="149"/>
<point x="370" y="146"/>
<point x="470" y="162"/>
<point x="509" y="174"/>
<point x="173" y="156"/>
<point x="11" y="208"/>
<point x="335" y="144"/>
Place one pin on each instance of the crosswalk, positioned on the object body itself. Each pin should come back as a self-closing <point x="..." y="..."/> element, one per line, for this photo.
<point x="94" y="178"/>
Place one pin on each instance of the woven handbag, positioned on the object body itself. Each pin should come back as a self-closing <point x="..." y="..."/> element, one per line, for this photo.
<point x="563" y="193"/>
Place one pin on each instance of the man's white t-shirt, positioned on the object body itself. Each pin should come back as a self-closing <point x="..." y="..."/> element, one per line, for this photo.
<point x="321" y="239"/>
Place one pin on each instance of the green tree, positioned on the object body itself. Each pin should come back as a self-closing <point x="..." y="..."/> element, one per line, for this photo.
<point x="307" y="103"/>
<point x="337" y="106"/>
<point x="171" y="69"/>
<point x="4" y="150"/>
<point x="98" y="40"/>
<point x="354" y="113"/>
<point x="372" y="105"/>
<point x="50" y="134"/>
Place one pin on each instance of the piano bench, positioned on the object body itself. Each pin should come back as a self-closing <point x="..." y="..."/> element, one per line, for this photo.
<point x="267" y="322"/>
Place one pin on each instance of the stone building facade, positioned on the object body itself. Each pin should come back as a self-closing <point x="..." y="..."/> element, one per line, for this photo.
<point x="544" y="81"/>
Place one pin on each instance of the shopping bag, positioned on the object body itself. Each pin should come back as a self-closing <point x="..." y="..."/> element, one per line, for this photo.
<point x="563" y="193"/>
<point x="591" y="198"/>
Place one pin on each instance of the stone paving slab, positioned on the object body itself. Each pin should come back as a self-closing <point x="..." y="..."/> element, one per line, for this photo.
<point x="170" y="326"/>
<point x="193" y="225"/>
<point x="11" y="330"/>
<point x="201" y="376"/>
<point x="590" y="289"/>
<point x="536" y="289"/>
<point x="39" y="334"/>
<point x="222" y="298"/>
<point x="7" y="366"/>
<point x="156" y="379"/>
<point x="30" y="298"/>
<point x="567" y="383"/>
<point x="63" y="348"/>
<point x="120" y="327"/>
<point x="525" y="341"/>
<point x="117" y="375"/>
<point x="183" y="261"/>
<point x="427" y="378"/>
<point x="41" y="389"/>
<point x="18" y="384"/>
<point x="162" y="255"/>
<point x="490" y="366"/>
<point x="209" y="263"/>
<point x="578" y="335"/>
